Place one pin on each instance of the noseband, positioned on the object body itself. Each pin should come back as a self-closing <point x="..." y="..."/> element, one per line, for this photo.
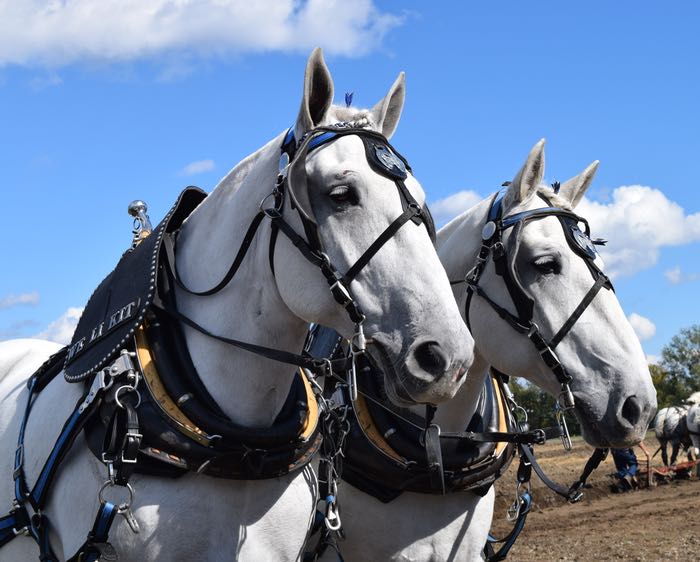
<point x="492" y="246"/>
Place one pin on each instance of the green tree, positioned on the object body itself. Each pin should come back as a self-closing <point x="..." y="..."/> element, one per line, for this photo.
<point x="680" y="359"/>
<point x="539" y="405"/>
<point x="670" y="389"/>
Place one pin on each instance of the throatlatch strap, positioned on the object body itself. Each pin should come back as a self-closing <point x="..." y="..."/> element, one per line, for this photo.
<point x="169" y="245"/>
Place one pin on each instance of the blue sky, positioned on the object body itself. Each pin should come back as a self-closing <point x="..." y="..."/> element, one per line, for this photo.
<point x="102" y="102"/>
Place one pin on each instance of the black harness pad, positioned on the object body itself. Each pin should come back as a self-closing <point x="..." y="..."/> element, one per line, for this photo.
<point x="119" y="304"/>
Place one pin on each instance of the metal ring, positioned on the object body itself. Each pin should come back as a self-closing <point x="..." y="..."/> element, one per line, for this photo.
<point x="272" y="212"/>
<point x="127" y="388"/>
<point x="122" y="507"/>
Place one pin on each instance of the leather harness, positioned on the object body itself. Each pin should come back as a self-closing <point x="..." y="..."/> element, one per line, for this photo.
<point x="131" y="327"/>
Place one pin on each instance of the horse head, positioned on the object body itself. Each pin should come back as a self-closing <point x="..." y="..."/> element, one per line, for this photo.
<point x="358" y="199"/>
<point x="547" y="281"/>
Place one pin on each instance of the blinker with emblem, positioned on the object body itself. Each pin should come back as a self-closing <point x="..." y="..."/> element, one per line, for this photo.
<point x="283" y="163"/>
<point x="488" y="231"/>
<point x="581" y="242"/>
<point x="384" y="160"/>
<point x="389" y="159"/>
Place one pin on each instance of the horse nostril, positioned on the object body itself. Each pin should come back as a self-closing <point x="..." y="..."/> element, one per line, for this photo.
<point x="431" y="358"/>
<point x="631" y="410"/>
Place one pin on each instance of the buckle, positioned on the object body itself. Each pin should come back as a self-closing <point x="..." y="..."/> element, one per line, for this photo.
<point x="19" y="456"/>
<point x="131" y="438"/>
<point x="339" y="291"/>
<point x="540" y="437"/>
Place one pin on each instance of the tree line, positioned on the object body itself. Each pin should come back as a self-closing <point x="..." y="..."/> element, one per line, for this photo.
<point x="675" y="377"/>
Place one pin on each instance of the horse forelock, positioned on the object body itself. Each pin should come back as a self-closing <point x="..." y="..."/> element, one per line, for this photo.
<point x="360" y="118"/>
<point x="556" y="199"/>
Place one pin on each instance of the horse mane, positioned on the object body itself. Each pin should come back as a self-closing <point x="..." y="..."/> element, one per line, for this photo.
<point x="232" y="181"/>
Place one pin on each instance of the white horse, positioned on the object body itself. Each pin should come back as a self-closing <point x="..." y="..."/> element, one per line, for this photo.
<point x="671" y="426"/>
<point x="412" y="322"/>
<point x="613" y="393"/>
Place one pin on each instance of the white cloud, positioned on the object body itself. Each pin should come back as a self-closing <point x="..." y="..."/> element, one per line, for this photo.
<point x="16" y="300"/>
<point x="638" y="221"/>
<point x="675" y="276"/>
<point x="446" y="209"/>
<point x="642" y="326"/>
<point x="198" y="167"/>
<point x="58" y="32"/>
<point x="61" y="330"/>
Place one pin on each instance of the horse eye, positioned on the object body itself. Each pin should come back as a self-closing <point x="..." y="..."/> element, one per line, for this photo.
<point x="342" y="194"/>
<point x="547" y="265"/>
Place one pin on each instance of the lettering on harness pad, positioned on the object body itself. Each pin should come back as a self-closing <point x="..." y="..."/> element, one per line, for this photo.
<point x="115" y="319"/>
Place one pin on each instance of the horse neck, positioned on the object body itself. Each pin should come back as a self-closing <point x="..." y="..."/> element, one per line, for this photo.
<point x="458" y="245"/>
<point x="250" y="389"/>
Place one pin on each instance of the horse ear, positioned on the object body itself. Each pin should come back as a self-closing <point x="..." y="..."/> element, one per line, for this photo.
<point x="387" y="112"/>
<point x="318" y="94"/>
<point x="574" y="188"/>
<point x="527" y="180"/>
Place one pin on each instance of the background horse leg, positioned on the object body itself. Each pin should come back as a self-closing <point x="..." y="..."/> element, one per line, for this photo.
<point x="674" y="453"/>
<point x="664" y="456"/>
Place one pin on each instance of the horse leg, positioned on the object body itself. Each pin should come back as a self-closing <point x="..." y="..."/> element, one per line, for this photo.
<point x="674" y="453"/>
<point x="664" y="456"/>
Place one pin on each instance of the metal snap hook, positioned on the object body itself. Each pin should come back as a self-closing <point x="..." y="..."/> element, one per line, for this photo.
<point x="563" y="430"/>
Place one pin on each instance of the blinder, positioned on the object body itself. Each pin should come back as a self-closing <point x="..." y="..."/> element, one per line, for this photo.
<point x="579" y="241"/>
<point x="384" y="160"/>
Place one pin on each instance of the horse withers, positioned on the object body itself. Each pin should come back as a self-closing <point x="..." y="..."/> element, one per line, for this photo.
<point x="531" y="286"/>
<point x="346" y="215"/>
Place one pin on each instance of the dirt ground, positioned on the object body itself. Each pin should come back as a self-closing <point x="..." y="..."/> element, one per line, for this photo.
<point x="661" y="523"/>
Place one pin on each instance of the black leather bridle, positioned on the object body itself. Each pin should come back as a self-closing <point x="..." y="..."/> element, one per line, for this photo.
<point x="291" y="182"/>
<point x="492" y="246"/>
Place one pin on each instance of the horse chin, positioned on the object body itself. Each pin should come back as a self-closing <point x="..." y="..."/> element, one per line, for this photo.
<point x="404" y="389"/>
<point x="396" y="392"/>
<point x="598" y="434"/>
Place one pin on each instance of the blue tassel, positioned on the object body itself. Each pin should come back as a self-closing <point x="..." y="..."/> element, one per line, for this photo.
<point x="348" y="98"/>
